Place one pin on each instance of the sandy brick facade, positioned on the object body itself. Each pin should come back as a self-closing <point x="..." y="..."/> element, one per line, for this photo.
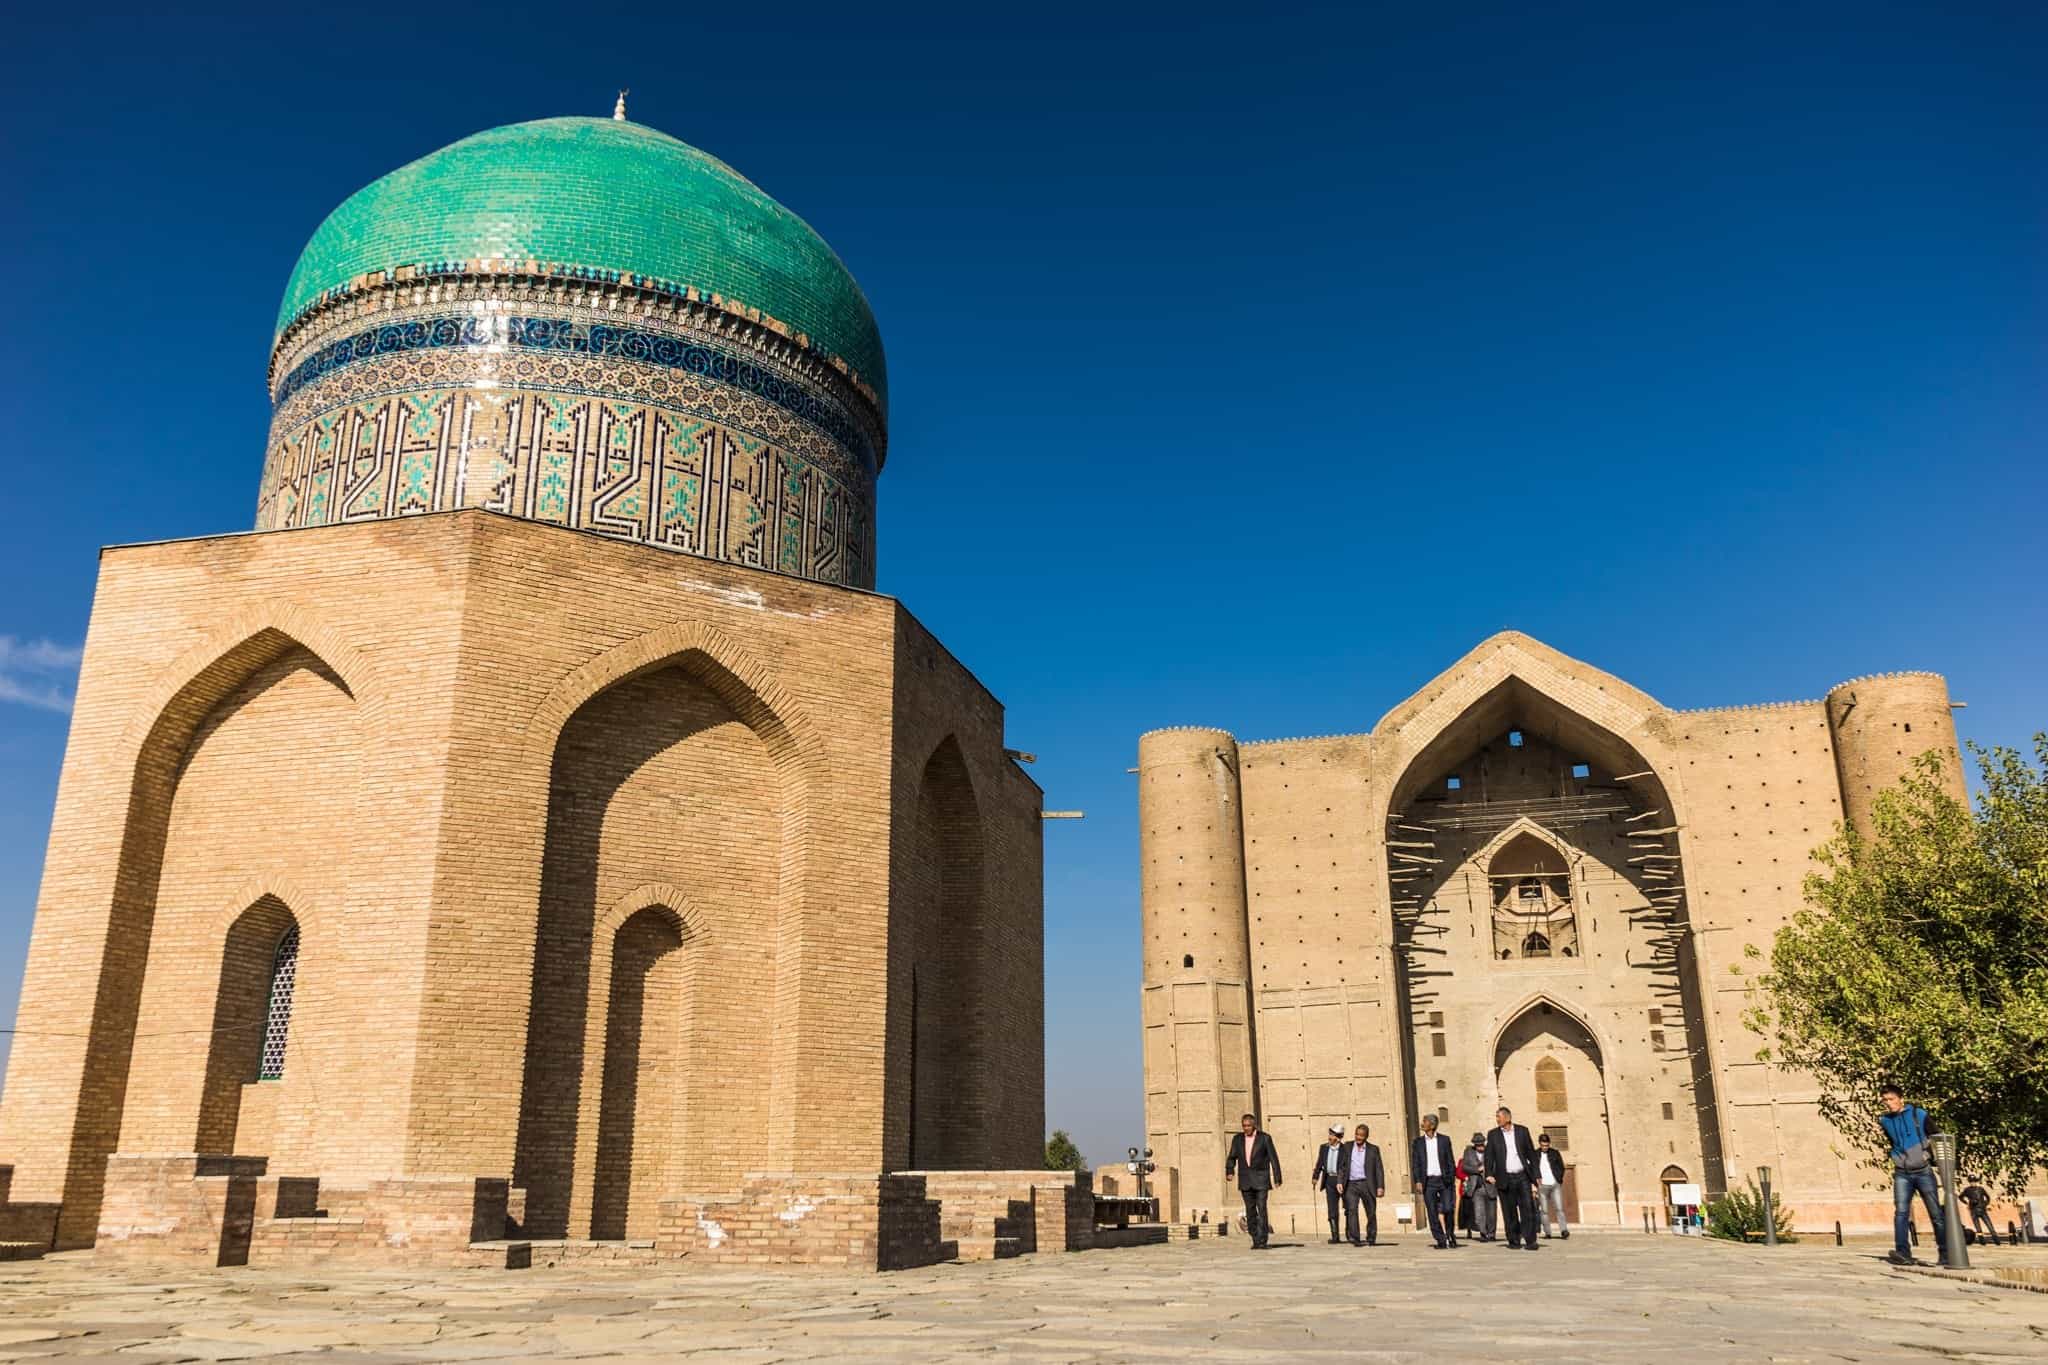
<point x="1529" y="884"/>
<point x="610" y="870"/>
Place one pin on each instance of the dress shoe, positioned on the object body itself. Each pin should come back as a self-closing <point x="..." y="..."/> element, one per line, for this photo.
<point x="1566" y="1234"/>
<point x="1532" y="1247"/>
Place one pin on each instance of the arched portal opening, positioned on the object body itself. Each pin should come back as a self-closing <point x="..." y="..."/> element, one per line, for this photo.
<point x="1548" y="1066"/>
<point x="639" y="1103"/>
<point x="1530" y="849"/>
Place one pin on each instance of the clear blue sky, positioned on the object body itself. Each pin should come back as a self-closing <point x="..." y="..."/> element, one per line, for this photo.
<point x="1247" y="368"/>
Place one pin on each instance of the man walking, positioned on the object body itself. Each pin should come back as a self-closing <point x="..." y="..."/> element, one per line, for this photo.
<point x="1433" y="1165"/>
<point x="1365" y="1182"/>
<point x="1479" y="1196"/>
<point x="1550" y="1178"/>
<point x="1257" y="1168"/>
<point x="1329" y="1176"/>
<point x="1510" y="1163"/>
<point x="1905" y="1125"/>
<point x="1977" y="1200"/>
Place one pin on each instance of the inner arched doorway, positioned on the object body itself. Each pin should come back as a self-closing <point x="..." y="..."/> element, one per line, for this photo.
<point x="1550" y="1073"/>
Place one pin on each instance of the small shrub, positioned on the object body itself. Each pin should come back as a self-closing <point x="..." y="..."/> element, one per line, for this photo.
<point x="1738" y="1216"/>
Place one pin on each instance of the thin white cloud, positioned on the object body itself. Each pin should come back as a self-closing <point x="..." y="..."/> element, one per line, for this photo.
<point x="37" y="673"/>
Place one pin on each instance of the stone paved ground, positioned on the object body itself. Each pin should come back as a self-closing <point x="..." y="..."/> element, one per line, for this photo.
<point x="1601" y="1298"/>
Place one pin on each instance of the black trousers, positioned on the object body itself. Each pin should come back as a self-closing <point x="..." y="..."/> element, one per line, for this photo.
<point x="1438" y="1192"/>
<point x="1255" y="1215"/>
<point x="1517" y="1208"/>
<point x="1333" y="1199"/>
<point x="1356" y="1193"/>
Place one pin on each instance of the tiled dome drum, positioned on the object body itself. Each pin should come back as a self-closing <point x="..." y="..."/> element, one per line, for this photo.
<point x="585" y="322"/>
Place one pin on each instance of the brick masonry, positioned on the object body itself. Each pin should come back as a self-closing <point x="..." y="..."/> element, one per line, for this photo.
<point x="637" y="855"/>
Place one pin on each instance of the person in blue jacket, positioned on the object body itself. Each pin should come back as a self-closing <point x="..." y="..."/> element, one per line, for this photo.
<point x="1912" y="1170"/>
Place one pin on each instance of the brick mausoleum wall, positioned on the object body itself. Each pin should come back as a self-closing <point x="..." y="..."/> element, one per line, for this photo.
<point x="464" y="681"/>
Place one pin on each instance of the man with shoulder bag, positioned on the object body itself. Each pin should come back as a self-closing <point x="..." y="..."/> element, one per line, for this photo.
<point x="1912" y="1170"/>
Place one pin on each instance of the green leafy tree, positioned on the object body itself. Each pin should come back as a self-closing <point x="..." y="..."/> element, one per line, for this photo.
<point x="1061" y="1154"/>
<point x="1738" y="1216"/>
<point x="1922" y="958"/>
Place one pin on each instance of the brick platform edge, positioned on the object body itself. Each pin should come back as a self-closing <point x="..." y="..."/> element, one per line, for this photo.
<point x="225" y="1210"/>
<point x="880" y="1222"/>
<point x="198" y="1209"/>
<point x="26" y="1230"/>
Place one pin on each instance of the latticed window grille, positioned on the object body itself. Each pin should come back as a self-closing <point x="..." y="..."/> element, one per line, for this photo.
<point x="277" y="1023"/>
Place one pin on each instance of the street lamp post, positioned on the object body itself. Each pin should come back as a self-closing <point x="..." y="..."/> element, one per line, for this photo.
<point x="1763" y="1176"/>
<point x="1954" y="1254"/>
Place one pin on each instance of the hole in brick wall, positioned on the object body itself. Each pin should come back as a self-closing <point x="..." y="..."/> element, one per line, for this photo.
<point x="1452" y="783"/>
<point x="1515" y="739"/>
<point x="1187" y="960"/>
<point x="1581" y="770"/>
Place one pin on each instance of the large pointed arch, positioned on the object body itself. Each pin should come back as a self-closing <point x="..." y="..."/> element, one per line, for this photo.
<point x="164" y="719"/>
<point x="551" y="1150"/>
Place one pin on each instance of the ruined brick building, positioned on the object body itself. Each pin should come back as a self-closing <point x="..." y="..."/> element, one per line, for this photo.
<point x="1530" y="884"/>
<point x="537" y="825"/>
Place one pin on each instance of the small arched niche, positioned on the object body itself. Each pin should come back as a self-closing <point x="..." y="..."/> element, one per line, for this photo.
<point x="1534" y="910"/>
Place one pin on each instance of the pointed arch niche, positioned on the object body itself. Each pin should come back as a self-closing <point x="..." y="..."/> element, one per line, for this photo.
<point x="674" y="789"/>
<point x="1549" y="1068"/>
<point x="940" y="1087"/>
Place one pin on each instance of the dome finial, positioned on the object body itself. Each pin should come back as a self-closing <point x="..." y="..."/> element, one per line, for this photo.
<point x="619" y="109"/>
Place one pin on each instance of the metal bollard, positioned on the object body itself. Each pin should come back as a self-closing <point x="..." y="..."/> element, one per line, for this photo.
<point x="1763" y="1174"/>
<point x="1954" y="1254"/>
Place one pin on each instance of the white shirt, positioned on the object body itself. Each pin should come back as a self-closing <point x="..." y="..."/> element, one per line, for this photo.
<point x="1543" y="1165"/>
<point x="1358" y="1162"/>
<point x="1429" y="1147"/>
<point x="1513" y="1150"/>
<point x="1330" y="1150"/>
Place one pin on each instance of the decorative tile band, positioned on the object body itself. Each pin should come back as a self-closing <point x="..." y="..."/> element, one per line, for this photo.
<point x="636" y="471"/>
<point x="581" y="337"/>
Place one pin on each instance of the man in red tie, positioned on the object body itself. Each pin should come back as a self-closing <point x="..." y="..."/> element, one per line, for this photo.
<point x="1257" y="1168"/>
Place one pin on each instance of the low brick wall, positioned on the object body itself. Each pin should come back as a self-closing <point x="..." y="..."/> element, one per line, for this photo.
<point x="224" y="1210"/>
<point x="881" y="1222"/>
<point x="984" y="1213"/>
<point x="416" y="1220"/>
<point x="187" y="1208"/>
<point x="1063" y="1208"/>
<point x="26" y="1230"/>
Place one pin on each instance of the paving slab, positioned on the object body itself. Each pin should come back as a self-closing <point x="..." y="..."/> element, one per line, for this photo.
<point x="1623" y="1298"/>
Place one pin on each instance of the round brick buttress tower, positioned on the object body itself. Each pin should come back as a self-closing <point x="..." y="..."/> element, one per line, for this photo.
<point x="1199" y="1073"/>
<point x="1880" y="725"/>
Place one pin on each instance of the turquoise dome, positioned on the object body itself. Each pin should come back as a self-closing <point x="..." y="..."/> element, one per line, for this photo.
<point x="609" y="197"/>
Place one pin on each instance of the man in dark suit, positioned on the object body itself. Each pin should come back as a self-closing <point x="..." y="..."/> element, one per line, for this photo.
<point x="1434" y="1168"/>
<point x="1257" y="1168"/>
<point x="1365" y="1182"/>
<point x="1329" y="1176"/>
<point x="1510" y="1167"/>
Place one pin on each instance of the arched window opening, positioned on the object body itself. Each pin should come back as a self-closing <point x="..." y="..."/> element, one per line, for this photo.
<point x="277" y="1019"/>
<point x="1533" y="910"/>
<point x="1550" y="1091"/>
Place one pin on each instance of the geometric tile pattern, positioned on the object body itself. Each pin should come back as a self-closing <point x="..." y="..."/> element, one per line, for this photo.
<point x="277" y="1021"/>
<point x="649" y="431"/>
